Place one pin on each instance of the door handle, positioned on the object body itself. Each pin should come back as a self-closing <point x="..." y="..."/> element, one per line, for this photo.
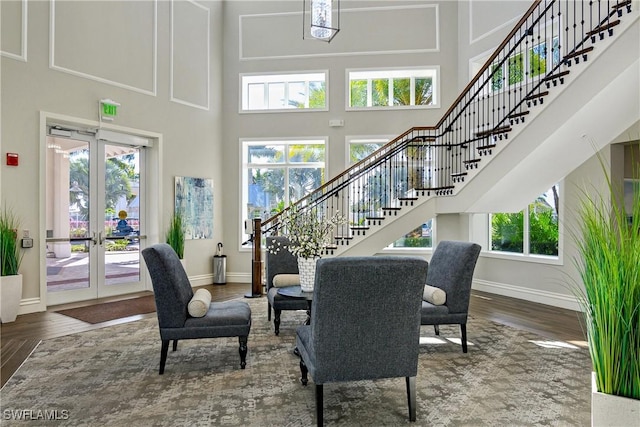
<point x="100" y="239"/>
<point x="93" y="239"/>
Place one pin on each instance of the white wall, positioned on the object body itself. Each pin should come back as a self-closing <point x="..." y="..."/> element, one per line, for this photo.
<point x="126" y="60"/>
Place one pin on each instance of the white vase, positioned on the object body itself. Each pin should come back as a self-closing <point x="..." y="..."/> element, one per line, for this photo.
<point x="307" y="273"/>
<point x="612" y="410"/>
<point x="11" y="293"/>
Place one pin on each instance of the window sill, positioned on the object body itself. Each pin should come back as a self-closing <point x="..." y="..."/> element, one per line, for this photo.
<point x="537" y="259"/>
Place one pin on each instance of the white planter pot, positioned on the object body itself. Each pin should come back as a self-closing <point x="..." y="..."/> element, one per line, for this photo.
<point x="611" y="410"/>
<point x="307" y="273"/>
<point x="11" y="293"/>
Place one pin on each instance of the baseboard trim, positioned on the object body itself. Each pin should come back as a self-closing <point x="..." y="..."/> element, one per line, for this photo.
<point x="534" y="295"/>
<point x="31" y="305"/>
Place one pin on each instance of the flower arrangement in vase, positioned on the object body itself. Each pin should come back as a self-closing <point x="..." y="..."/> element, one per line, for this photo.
<point x="309" y="233"/>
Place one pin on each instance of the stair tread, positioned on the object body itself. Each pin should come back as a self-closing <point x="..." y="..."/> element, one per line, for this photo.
<point x="536" y="96"/>
<point x="579" y="52"/>
<point x="603" y="27"/>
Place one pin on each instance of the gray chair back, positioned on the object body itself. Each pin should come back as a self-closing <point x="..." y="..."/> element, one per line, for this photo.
<point x="282" y="262"/>
<point x="171" y="285"/>
<point x="451" y="269"/>
<point x="365" y="319"/>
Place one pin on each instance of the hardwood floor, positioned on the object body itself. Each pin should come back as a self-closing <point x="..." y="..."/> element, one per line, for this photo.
<point x="20" y="338"/>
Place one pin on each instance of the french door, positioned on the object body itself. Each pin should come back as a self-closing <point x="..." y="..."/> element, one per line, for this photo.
<point x="95" y="217"/>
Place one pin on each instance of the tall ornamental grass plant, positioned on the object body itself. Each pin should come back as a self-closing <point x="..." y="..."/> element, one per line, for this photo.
<point x="175" y="234"/>
<point x="609" y="265"/>
<point x="10" y="256"/>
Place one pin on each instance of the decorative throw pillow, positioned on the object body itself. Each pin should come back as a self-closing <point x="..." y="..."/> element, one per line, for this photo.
<point x="282" y="280"/>
<point x="199" y="304"/>
<point x="433" y="295"/>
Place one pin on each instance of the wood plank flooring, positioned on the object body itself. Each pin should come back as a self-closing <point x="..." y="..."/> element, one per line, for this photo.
<point x="19" y="338"/>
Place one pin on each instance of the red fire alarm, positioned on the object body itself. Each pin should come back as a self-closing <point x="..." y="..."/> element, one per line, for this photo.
<point x="12" y="159"/>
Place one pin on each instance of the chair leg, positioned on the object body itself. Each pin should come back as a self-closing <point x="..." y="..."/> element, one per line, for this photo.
<point x="319" y="405"/>
<point x="276" y="320"/>
<point x="411" y="397"/>
<point x="175" y="345"/>
<point x="243" y="351"/>
<point x="463" y="331"/>
<point x="437" y="329"/>
<point x="304" y="373"/>
<point x="163" y="355"/>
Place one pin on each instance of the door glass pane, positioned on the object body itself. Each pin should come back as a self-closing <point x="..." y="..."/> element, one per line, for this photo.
<point x="122" y="213"/>
<point x="67" y="220"/>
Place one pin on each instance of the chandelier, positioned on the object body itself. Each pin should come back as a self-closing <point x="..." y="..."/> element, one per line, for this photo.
<point x="320" y="19"/>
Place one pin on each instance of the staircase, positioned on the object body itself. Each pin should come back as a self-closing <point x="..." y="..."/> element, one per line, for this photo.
<point x="490" y="141"/>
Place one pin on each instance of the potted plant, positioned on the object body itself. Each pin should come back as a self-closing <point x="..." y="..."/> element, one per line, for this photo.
<point x="609" y="265"/>
<point x="175" y="234"/>
<point x="309" y="233"/>
<point x="10" y="259"/>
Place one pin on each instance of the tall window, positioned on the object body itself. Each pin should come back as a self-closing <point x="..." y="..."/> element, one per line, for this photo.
<point x="408" y="88"/>
<point x="272" y="92"/>
<point x="276" y="173"/>
<point x="532" y="231"/>
<point x="361" y="147"/>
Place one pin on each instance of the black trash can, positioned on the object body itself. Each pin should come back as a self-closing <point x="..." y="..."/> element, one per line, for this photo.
<point x="219" y="267"/>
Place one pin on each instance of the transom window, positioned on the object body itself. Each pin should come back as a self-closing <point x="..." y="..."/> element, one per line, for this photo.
<point x="393" y="88"/>
<point x="273" y="92"/>
<point x="276" y="173"/>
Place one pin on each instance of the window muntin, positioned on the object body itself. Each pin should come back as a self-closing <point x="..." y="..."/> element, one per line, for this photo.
<point x="277" y="173"/>
<point x="532" y="231"/>
<point x="408" y="88"/>
<point x="283" y="92"/>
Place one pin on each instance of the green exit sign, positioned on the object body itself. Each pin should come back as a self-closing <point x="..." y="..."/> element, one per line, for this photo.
<point x="109" y="110"/>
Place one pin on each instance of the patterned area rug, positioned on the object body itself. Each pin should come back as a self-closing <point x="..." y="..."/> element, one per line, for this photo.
<point x="110" y="377"/>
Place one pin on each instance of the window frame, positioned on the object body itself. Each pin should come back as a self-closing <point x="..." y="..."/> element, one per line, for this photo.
<point x="393" y="73"/>
<point x="287" y="78"/>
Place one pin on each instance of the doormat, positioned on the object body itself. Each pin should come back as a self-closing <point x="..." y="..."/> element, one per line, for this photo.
<point x="112" y="310"/>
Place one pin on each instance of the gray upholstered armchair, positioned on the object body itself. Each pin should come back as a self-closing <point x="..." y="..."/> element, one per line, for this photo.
<point x="451" y="269"/>
<point x="282" y="262"/>
<point x="173" y="293"/>
<point x="365" y="323"/>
